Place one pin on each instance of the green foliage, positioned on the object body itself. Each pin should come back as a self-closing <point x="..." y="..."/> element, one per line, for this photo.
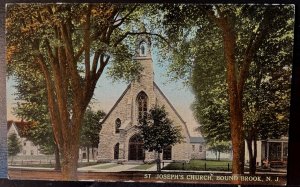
<point x="70" y="46"/>
<point x="268" y="89"/>
<point x="91" y="127"/>
<point x="32" y="106"/>
<point x="158" y="131"/>
<point x="14" y="145"/>
<point x="29" y="35"/>
<point x="240" y="39"/>
<point x="198" y="58"/>
<point x="211" y="107"/>
<point x="219" y="147"/>
<point x="200" y="165"/>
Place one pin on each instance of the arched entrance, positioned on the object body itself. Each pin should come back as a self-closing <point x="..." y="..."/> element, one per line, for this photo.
<point x="116" y="151"/>
<point x="136" y="150"/>
<point x="167" y="153"/>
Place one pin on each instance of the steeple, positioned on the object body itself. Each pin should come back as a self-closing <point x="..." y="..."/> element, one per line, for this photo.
<point x="143" y="56"/>
<point x="143" y="44"/>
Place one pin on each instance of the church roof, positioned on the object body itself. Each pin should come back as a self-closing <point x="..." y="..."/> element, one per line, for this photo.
<point x="156" y="86"/>
<point x="22" y="127"/>
<point x="115" y="105"/>
<point x="197" y="140"/>
<point x="187" y="130"/>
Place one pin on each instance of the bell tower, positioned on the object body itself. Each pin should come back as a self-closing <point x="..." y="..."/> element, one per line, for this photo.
<point x="143" y="86"/>
<point x="143" y="56"/>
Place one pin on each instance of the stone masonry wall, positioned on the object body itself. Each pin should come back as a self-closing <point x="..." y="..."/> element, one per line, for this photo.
<point x="197" y="153"/>
<point x="126" y="110"/>
<point x="108" y="137"/>
<point x="179" y="151"/>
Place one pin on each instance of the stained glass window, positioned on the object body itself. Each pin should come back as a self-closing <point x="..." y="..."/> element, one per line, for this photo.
<point x="142" y="102"/>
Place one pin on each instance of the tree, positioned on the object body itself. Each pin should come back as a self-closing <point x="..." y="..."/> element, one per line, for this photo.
<point x="31" y="91"/>
<point x="158" y="132"/>
<point x="267" y="93"/>
<point x="14" y="145"/>
<point x="219" y="147"/>
<point x="89" y="136"/>
<point x="268" y="74"/>
<point x="241" y="31"/>
<point x="211" y="107"/>
<point x="70" y="45"/>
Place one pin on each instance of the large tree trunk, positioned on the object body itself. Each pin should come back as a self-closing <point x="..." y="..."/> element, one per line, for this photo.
<point x="235" y="104"/>
<point x="158" y="162"/>
<point x="252" y="156"/>
<point x="57" y="158"/>
<point x="69" y="93"/>
<point x="70" y="161"/>
<point x="71" y="147"/>
<point x="236" y="76"/>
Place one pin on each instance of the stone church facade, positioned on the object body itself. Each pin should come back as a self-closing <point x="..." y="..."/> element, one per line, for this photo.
<point x="119" y="137"/>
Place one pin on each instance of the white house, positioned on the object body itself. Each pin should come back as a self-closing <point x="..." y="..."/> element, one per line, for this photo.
<point x="198" y="148"/>
<point x="270" y="151"/>
<point x="19" y="128"/>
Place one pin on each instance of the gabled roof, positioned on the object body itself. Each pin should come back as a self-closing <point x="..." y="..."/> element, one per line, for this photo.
<point x="197" y="140"/>
<point x="177" y="114"/>
<point x="22" y="127"/>
<point x="169" y="103"/>
<point x="115" y="105"/>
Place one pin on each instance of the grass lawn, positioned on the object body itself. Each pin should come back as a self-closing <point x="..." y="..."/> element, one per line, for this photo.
<point x="144" y="166"/>
<point x="106" y="166"/>
<point x="84" y="164"/>
<point x="200" y="165"/>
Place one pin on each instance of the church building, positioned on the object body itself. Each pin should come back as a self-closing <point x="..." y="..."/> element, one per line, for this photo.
<point x="119" y="137"/>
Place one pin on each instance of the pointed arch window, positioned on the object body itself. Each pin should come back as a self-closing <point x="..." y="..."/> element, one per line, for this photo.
<point x="142" y="102"/>
<point x="116" y="151"/>
<point x="117" y="125"/>
<point x="143" y="49"/>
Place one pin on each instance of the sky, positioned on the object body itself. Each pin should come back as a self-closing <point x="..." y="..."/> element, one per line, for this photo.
<point x="108" y="92"/>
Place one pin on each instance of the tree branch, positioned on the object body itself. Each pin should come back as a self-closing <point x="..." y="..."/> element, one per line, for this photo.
<point x="72" y="64"/>
<point x="53" y="109"/>
<point x="95" y="62"/>
<point x="254" y="43"/>
<point x="87" y="43"/>
<point x="211" y="15"/>
<point x="121" y="21"/>
<point x="79" y="53"/>
<point x="102" y="65"/>
<point x="138" y="33"/>
<point x="49" y="50"/>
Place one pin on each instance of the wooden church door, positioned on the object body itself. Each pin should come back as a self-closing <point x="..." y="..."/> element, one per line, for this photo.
<point x="136" y="150"/>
